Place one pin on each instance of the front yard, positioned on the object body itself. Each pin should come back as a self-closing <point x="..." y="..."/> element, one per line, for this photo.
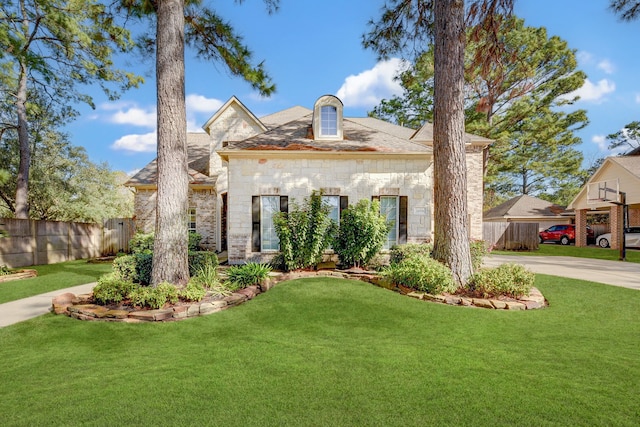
<point x="334" y="352"/>
<point x="549" y="249"/>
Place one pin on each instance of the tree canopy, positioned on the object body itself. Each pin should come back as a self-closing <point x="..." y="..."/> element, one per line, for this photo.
<point x="627" y="138"/>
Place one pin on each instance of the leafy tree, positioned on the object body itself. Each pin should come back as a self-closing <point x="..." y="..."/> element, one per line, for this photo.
<point x="362" y="233"/>
<point x="54" y="47"/>
<point x="305" y="232"/>
<point x="406" y="25"/>
<point x="628" y="137"/>
<point x="179" y="22"/>
<point x="627" y="10"/>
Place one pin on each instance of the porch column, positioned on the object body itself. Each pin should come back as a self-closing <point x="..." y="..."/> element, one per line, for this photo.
<point x="581" y="227"/>
<point x="615" y="219"/>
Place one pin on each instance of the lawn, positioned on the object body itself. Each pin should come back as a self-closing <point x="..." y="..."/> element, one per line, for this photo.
<point x="52" y="277"/>
<point x="326" y="351"/>
<point x="547" y="249"/>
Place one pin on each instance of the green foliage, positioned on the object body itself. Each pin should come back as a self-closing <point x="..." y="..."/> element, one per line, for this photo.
<point x="207" y="275"/>
<point x="200" y="259"/>
<point x="141" y="243"/>
<point x="400" y="252"/>
<point x="305" y="232"/>
<point x="248" y="274"/>
<point x="627" y="139"/>
<point x="478" y="251"/>
<point x="194" y="241"/>
<point x="4" y="270"/>
<point x="508" y="279"/>
<point x="421" y="273"/>
<point x="362" y="233"/>
<point x="112" y="289"/>
<point x="193" y="291"/>
<point x="136" y="267"/>
<point x="155" y="298"/>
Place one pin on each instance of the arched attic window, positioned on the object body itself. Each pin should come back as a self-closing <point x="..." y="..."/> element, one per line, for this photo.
<point x="327" y="118"/>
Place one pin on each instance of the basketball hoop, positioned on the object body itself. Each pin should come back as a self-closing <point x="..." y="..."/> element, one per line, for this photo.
<point x="603" y="192"/>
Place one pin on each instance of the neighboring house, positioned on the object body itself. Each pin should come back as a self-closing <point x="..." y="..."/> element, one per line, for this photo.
<point x="255" y="166"/>
<point x="624" y="173"/>
<point x="526" y="208"/>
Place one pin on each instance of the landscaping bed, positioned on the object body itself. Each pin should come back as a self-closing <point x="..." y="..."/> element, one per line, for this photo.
<point x="17" y="275"/>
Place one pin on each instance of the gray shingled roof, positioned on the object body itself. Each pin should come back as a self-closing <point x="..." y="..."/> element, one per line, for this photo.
<point x="198" y="152"/>
<point x="524" y="206"/>
<point x="360" y="135"/>
<point x="285" y="116"/>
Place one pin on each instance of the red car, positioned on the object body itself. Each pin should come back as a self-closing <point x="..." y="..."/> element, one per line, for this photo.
<point x="563" y="234"/>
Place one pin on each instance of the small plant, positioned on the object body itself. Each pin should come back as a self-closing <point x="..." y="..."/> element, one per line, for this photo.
<point x="221" y="290"/>
<point x="199" y="259"/>
<point x="421" y="273"/>
<point x="207" y="275"/>
<point x="155" y="298"/>
<point x="400" y="252"/>
<point x="194" y="241"/>
<point x="194" y="291"/>
<point x="478" y="251"/>
<point x="4" y="270"/>
<point x="362" y="233"/>
<point x="512" y="280"/>
<point x="112" y="289"/>
<point x="248" y="274"/>
<point x="141" y="243"/>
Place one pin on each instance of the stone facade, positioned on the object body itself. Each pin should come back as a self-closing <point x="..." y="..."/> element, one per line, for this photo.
<point x="475" y="190"/>
<point x="203" y="200"/>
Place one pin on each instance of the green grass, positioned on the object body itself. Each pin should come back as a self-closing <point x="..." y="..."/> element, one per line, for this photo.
<point x="548" y="249"/>
<point x="331" y="352"/>
<point x="53" y="277"/>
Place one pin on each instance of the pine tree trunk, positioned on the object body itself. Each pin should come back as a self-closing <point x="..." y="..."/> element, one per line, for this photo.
<point x="22" y="185"/>
<point x="170" y="247"/>
<point x="451" y="241"/>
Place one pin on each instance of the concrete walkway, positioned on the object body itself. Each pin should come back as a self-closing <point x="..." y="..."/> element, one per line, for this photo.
<point x="616" y="273"/>
<point x="27" y="308"/>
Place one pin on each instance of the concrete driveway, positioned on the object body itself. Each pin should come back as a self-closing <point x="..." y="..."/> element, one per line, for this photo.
<point x="616" y="273"/>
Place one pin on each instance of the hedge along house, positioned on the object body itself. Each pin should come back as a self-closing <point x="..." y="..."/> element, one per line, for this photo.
<point x="260" y="165"/>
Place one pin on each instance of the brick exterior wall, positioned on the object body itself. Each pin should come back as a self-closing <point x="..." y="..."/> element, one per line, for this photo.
<point x="634" y="217"/>
<point x="581" y="227"/>
<point x="203" y="200"/>
<point x="615" y="218"/>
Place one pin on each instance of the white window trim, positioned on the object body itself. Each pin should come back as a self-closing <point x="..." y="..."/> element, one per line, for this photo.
<point x="396" y="222"/>
<point x="326" y="101"/>
<point x="263" y="223"/>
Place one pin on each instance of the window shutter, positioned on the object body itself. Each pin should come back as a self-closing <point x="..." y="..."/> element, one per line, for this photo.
<point x="255" y="221"/>
<point x="402" y="225"/>
<point x="375" y="198"/>
<point x="284" y="204"/>
<point x="344" y="204"/>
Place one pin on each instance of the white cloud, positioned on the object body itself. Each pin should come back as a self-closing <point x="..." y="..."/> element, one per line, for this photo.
<point x="584" y="57"/>
<point x="606" y="66"/>
<point x="137" y="143"/>
<point x="638" y="98"/>
<point x="600" y="141"/>
<point x="369" y="87"/>
<point x="593" y="92"/>
<point x="200" y="104"/>
<point x="135" y="116"/>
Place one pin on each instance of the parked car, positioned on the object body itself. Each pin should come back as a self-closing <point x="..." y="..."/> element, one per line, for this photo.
<point x="631" y="237"/>
<point x="563" y="234"/>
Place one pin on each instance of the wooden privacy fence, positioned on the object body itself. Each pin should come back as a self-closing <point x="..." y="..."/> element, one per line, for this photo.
<point x="511" y="236"/>
<point x="32" y="242"/>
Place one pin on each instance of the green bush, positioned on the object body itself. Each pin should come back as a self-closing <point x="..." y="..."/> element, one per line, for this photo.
<point x="124" y="267"/>
<point x="401" y="252"/>
<point x="194" y="241"/>
<point x="512" y="280"/>
<point x="362" y="233"/>
<point x="194" y="291"/>
<point x="305" y="232"/>
<point x="478" y="251"/>
<point x="155" y="298"/>
<point x="241" y="276"/>
<point x="112" y="289"/>
<point x="207" y="275"/>
<point x="199" y="259"/>
<point x="421" y="273"/>
<point x="141" y="243"/>
<point x="4" y="270"/>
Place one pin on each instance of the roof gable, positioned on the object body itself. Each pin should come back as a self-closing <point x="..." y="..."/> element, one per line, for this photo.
<point x="525" y="206"/>
<point x="231" y="103"/>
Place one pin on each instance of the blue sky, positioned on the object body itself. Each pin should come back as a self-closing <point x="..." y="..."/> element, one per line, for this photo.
<point x="312" y="48"/>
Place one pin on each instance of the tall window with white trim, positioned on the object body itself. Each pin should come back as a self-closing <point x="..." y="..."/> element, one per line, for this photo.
<point x="389" y="208"/>
<point x="328" y="120"/>
<point x="270" y="205"/>
<point x="191" y="220"/>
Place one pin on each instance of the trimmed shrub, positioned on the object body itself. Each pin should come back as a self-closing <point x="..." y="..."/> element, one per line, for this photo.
<point x="155" y="298"/>
<point x="362" y="233"/>
<point x="400" y="252"/>
<point x="143" y="268"/>
<point x="305" y="232"/>
<point x="194" y="291"/>
<point x="512" y="280"/>
<point x="200" y="259"/>
<point x="4" y="270"/>
<point x="421" y="273"/>
<point x="478" y="251"/>
<point x="194" y="241"/>
<point x="241" y="276"/>
<point x="141" y="243"/>
<point x="124" y="267"/>
<point x="112" y="289"/>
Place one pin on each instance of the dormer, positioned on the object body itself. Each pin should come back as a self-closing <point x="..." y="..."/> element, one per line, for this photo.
<point x="327" y="118"/>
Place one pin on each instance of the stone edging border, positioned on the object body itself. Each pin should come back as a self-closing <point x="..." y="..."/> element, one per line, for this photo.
<point x="22" y="274"/>
<point x="81" y="306"/>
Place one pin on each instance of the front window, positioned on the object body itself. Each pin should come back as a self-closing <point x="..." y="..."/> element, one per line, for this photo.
<point x="389" y="208"/>
<point x="269" y="206"/>
<point x="191" y="220"/>
<point x="334" y="204"/>
<point x="328" y="120"/>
